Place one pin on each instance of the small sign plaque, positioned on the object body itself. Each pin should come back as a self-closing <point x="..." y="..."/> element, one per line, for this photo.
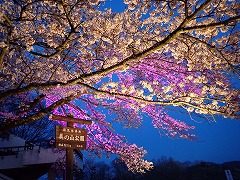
<point x="68" y="137"/>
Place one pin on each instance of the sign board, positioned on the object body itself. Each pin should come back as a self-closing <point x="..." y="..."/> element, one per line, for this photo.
<point x="68" y="137"/>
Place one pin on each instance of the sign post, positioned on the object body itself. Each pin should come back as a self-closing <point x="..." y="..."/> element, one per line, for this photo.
<point x="70" y="138"/>
<point x="69" y="159"/>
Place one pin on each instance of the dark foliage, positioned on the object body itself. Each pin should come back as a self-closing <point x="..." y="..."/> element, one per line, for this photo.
<point x="164" y="169"/>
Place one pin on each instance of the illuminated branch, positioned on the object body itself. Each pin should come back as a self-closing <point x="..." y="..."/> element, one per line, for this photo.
<point x="4" y="49"/>
<point x="32" y="118"/>
<point x="217" y="24"/>
<point x="175" y="102"/>
<point x="212" y="48"/>
<point x="103" y="72"/>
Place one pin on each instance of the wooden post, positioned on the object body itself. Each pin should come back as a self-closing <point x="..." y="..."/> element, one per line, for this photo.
<point x="51" y="174"/>
<point x="69" y="151"/>
<point x="69" y="159"/>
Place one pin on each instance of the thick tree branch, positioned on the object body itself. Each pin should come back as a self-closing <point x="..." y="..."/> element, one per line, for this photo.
<point x="68" y="17"/>
<point x="59" y="49"/>
<point x="198" y="10"/>
<point x="5" y="126"/>
<point x="4" y="49"/>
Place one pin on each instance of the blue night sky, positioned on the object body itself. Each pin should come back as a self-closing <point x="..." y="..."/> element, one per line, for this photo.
<point x="217" y="141"/>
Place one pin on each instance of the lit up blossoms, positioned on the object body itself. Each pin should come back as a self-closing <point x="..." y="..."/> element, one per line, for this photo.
<point x="152" y="59"/>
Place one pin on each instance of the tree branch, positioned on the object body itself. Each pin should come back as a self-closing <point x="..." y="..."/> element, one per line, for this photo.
<point x="218" y="24"/>
<point x="5" y="126"/>
<point x="214" y="48"/>
<point x="122" y="64"/>
<point x="175" y="102"/>
<point x="4" y="49"/>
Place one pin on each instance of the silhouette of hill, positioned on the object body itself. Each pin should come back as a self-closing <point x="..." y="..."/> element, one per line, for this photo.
<point x="164" y="169"/>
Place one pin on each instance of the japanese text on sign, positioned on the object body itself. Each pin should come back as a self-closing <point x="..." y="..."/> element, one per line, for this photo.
<point x="67" y="137"/>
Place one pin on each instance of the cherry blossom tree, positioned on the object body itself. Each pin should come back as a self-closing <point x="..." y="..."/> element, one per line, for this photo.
<point x="79" y="59"/>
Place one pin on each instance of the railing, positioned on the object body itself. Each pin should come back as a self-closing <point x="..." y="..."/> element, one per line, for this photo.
<point x="4" y="136"/>
<point x="14" y="150"/>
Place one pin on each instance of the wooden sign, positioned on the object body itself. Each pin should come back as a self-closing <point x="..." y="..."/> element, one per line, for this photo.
<point x="68" y="137"/>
